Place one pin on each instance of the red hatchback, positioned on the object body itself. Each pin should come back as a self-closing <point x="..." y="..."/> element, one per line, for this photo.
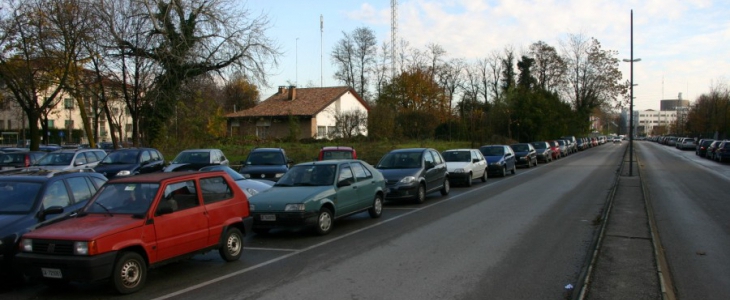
<point x="138" y="222"/>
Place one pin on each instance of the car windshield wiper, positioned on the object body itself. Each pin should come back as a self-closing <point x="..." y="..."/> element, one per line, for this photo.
<point x="105" y="208"/>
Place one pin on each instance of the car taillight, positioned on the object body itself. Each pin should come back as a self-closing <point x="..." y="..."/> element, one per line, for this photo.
<point x="27" y="160"/>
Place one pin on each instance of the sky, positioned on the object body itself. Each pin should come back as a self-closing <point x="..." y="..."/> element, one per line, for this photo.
<point x="683" y="44"/>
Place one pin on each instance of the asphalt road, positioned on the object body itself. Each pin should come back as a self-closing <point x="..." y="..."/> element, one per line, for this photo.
<point x="689" y="196"/>
<point x="525" y="236"/>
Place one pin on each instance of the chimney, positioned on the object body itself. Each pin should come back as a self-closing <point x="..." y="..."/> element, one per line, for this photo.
<point x="292" y="92"/>
<point x="282" y="89"/>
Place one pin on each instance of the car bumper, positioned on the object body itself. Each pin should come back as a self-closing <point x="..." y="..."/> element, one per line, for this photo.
<point x="495" y="169"/>
<point x="401" y="192"/>
<point x="522" y="162"/>
<point x="270" y="220"/>
<point x="459" y="177"/>
<point x="72" y="268"/>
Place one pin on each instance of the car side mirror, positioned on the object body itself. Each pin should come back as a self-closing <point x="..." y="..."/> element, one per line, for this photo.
<point x="53" y="210"/>
<point x="476" y="160"/>
<point x="429" y="165"/>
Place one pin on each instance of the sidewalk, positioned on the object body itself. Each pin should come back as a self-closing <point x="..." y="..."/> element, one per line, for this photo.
<point x="626" y="266"/>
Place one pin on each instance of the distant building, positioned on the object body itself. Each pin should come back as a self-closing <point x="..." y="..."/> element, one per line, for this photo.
<point x="651" y="122"/>
<point x="314" y="109"/>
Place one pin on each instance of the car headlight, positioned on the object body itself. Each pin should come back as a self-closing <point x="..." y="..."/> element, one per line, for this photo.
<point x="278" y="175"/>
<point x="26" y="245"/>
<point x="124" y="173"/>
<point x="496" y="163"/>
<point x="294" y="207"/>
<point x="248" y="176"/>
<point x="458" y="171"/>
<point x="252" y="191"/>
<point x="85" y="248"/>
<point x="408" y="179"/>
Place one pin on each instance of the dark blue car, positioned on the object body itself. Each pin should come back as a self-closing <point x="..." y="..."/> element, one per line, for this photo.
<point x="127" y="162"/>
<point x="500" y="159"/>
<point x="265" y="163"/>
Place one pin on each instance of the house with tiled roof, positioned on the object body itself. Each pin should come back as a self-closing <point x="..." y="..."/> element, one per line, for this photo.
<point x="315" y="110"/>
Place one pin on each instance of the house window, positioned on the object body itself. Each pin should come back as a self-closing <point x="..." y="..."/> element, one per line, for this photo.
<point x="69" y="124"/>
<point x="51" y="124"/>
<point x="332" y="131"/>
<point x="2" y="123"/>
<point x="68" y="103"/>
<point x="321" y="132"/>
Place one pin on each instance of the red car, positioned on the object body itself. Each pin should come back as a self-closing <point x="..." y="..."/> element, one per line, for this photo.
<point x="139" y="222"/>
<point x="555" y="146"/>
<point x="337" y="152"/>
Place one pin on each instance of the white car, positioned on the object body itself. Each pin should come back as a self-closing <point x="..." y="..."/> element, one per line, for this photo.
<point x="465" y="165"/>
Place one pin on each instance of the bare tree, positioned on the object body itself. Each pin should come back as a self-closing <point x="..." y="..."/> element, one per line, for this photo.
<point x="355" y="56"/>
<point x="549" y="67"/>
<point x="351" y="123"/>
<point x="40" y="48"/>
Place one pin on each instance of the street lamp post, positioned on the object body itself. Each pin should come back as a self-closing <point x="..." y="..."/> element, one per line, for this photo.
<point x="631" y="101"/>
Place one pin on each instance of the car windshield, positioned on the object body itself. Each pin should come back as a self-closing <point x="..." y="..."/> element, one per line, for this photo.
<point x="457" y="156"/>
<point x="336" y="154"/>
<point x="17" y="197"/>
<point x="192" y="157"/>
<point x="520" y="148"/>
<point x="561" y="142"/>
<point x="121" y="157"/>
<point x="56" y="159"/>
<point x="539" y="145"/>
<point x="123" y="198"/>
<point x="492" y="151"/>
<point x="262" y="158"/>
<point x="401" y="160"/>
<point x="309" y="175"/>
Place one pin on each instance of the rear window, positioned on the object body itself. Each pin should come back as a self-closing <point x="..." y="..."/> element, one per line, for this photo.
<point x="12" y="158"/>
<point x="336" y="154"/>
<point x="457" y="156"/>
<point x="265" y="159"/>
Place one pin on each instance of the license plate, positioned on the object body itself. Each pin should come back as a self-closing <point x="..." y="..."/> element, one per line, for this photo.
<point x="268" y="217"/>
<point x="51" y="273"/>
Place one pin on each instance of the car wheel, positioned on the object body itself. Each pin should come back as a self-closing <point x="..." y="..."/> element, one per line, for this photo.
<point x="232" y="247"/>
<point x="504" y="171"/>
<point x="324" y="221"/>
<point x="484" y="176"/>
<point x="377" y="210"/>
<point x="529" y="164"/>
<point x="421" y="194"/>
<point x="446" y="188"/>
<point x="468" y="180"/>
<point x="514" y="170"/>
<point x="130" y="273"/>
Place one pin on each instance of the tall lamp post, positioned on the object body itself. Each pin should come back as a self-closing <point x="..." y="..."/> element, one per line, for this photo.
<point x="631" y="101"/>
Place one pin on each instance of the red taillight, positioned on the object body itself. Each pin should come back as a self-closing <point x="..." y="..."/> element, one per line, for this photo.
<point x="27" y="160"/>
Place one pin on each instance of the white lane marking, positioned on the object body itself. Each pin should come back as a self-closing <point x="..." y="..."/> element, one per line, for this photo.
<point x="269" y="249"/>
<point x="296" y="252"/>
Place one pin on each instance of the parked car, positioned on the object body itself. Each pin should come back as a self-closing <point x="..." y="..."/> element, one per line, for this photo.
<point x="500" y="158"/>
<point x="465" y="165"/>
<point x="249" y="186"/>
<point x="525" y="153"/>
<point x="413" y="173"/>
<point x="135" y="161"/>
<point x="20" y="159"/>
<point x="544" y="151"/>
<point x="314" y="194"/>
<point x="194" y="159"/>
<point x="722" y="153"/>
<point x="337" y="152"/>
<point x="711" y="149"/>
<point x="701" y="148"/>
<point x="265" y="163"/>
<point x="562" y="146"/>
<point x="30" y="197"/>
<point x="139" y="222"/>
<point x="687" y="144"/>
<point x="49" y="148"/>
<point x="555" y="149"/>
<point x="70" y="159"/>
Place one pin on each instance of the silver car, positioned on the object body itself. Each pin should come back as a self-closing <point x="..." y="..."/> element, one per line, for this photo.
<point x="70" y="159"/>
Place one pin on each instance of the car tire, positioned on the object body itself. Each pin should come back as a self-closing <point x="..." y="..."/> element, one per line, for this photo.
<point x="504" y="171"/>
<point x="324" y="221"/>
<point x="529" y="164"/>
<point x="468" y="179"/>
<point x="377" y="210"/>
<point x="421" y="194"/>
<point x="446" y="188"/>
<point x="130" y="273"/>
<point x="514" y="170"/>
<point x="232" y="246"/>
<point x="484" y="176"/>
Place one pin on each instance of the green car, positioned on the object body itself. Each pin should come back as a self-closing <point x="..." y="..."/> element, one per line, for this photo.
<point x="317" y="193"/>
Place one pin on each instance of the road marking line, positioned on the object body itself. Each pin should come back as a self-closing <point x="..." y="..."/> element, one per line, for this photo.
<point x="268" y="249"/>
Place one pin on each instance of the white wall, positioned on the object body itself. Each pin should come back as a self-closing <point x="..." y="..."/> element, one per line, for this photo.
<point x="346" y="103"/>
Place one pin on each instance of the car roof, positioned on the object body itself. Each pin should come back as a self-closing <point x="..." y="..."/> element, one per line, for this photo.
<point x="267" y="149"/>
<point x="461" y="149"/>
<point x="327" y="162"/>
<point x="200" y="150"/>
<point x="410" y="150"/>
<point x="39" y="175"/>
<point x="159" y="177"/>
<point x="334" y="148"/>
